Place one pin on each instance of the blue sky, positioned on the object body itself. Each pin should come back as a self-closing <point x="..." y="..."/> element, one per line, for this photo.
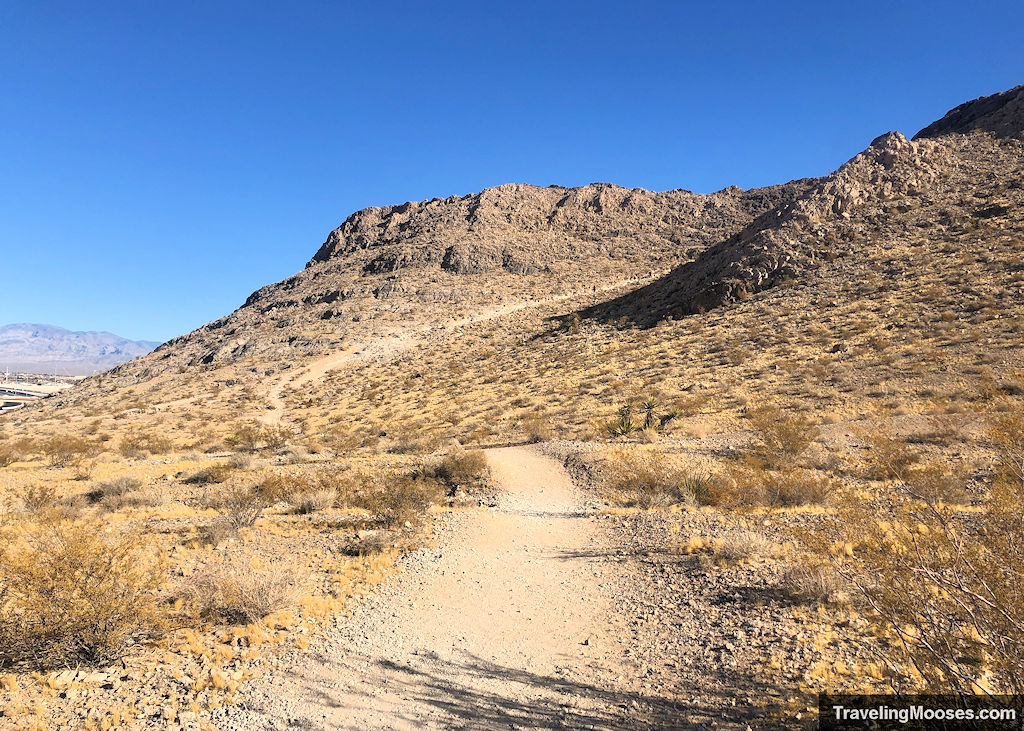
<point x="160" y="161"/>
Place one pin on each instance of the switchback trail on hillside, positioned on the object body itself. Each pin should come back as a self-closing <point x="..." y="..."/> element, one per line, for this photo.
<point x="389" y="347"/>
<point x="504" y="623"/>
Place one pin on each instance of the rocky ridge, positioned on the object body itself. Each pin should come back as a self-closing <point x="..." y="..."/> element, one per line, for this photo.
<point x="434" y="261"/>
<point x="942" y="163"/>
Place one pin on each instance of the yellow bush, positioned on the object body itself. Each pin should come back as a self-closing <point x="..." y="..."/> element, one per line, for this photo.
<point x="783" y="436"/>
<point x="70" y="594"/>
<point x="66" y="451"/>
<point x="947" y="583"/>
<point x="648" y="479"/>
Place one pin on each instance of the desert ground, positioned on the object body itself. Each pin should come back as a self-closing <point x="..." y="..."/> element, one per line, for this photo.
<point x="554" y="458"/>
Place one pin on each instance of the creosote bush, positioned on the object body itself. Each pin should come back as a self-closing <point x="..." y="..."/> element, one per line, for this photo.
<point x="8" y="455"/>
<point x="253" y="436"/>
<point x="947" y="583"/>
<point x="751" y="484"/>
<point x="70" y="593"/>
<point x="459" y="468"/>
<point x="239" y="505"/>
<point x="783" y="436"/>
<point x="113" y="492"/>
<point x="212" y="475"/>
<point x="889" y="457"/>
<point x="396" y="499"/>
<point x="66" y="451"/>
<point x="139" y="445"/>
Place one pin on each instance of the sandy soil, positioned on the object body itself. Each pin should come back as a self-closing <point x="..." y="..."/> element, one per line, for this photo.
<point x="503" y="624"/>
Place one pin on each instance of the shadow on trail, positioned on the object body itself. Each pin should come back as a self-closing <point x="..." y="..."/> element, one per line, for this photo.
<point x="527" y="700"/>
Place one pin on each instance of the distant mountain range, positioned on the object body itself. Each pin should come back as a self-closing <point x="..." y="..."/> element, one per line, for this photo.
<point x="48" y="348"/>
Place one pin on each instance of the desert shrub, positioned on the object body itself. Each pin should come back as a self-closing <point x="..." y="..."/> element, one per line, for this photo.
<point x="70" y="594"/>
<point x="812" y="582"/>
<point x="783" y="437"/>
<point x="138" y="445"/>
<point x="277" y="436"/>
<point x="215" y="533"/>
<point x="246" y="436"/>
<point x="366" y="543"/>
<point x="113" y="492"/>
<point x="8" y="455"/>
<point x="792" y="487"/>
<point x="37" y="498"/>
<point x="83" y="469"/>
<point x="946" y="428"/>
<point x="147" y="496"/>
<point x="889" y="457"/>
<point x="25" y="447"/>
<point x="397" y="499"/>
<point x="240" y="461"/>
<point x="458" y="468"/>
<point x="314" y="501"/>
<point x="947" y="584"/>
<point x="536" y="429"/>
<point x="212" y="475"/>
<point x="740" y="544"/>
<point x="341" y="481"/>
<point x="66" y="451"/>
<point x="748" y="485"/>
<point x="238" y="591"/>
<point x="646" y="479"/>
<point x="253" y="436"/>
<point x="280" y="487"/>
<point x="240" y="505"/>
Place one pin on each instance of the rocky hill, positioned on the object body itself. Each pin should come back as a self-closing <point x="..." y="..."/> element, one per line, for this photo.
<point x="940" y="174"/>
<point x="45" y="348"/>
<point x="427" y="264"/>
<point x="1000" y="114"/>
<point x="437" y="260"/>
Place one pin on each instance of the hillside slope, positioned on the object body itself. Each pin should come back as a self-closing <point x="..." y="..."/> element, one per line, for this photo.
<point x="970" y="146"/>
<point x="385" y="269"/>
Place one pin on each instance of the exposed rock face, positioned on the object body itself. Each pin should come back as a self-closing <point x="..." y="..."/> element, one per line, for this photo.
<point x="1000" y="114"/>
<point x="785" y="241"/>
<point x="46" y="348"/>
<point x="522" y="228"/>
<point x="432" y="261"/>
<point x="973" y="142"/>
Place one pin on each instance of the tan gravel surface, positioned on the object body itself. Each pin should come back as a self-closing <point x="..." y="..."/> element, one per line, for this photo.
<point x="503" y="624"/>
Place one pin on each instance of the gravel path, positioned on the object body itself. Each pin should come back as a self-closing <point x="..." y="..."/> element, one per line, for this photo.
<point x="503" y="624"/>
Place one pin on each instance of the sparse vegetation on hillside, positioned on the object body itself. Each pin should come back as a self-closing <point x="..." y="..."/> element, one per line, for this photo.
<point x="864" y="398"/>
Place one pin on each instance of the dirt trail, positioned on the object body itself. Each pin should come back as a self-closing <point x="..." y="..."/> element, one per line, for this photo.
<point x="388" y="347"/>
<point x="503" y="624"/>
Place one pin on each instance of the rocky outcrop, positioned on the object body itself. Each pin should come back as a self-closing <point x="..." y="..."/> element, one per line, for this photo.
<point x="1001" y="115"/>
<point x="431" y="261"/>
<point x="520" y="229"/>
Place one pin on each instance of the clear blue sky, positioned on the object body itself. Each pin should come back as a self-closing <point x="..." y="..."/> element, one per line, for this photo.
<point x="159" y="161"/>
